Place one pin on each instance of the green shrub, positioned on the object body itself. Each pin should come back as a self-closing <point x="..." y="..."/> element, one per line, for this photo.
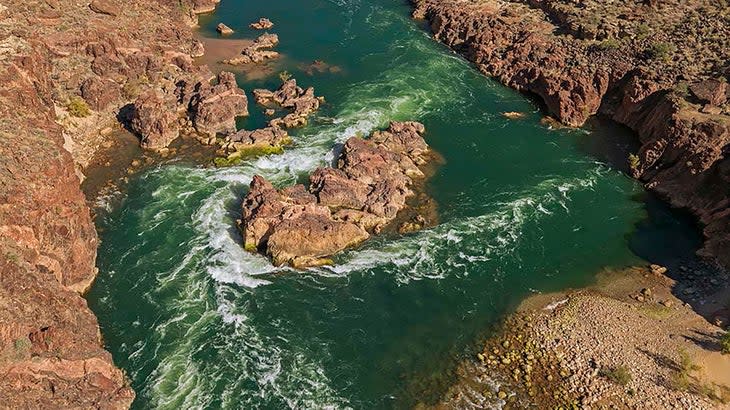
<point x="619" y="375"/>
<point x="634" y="161"/>
<point x="77" y="107"/>
<point x="725" y="343"/>
<point x="609" y="44"/>
<point x="682" y="89"/>
<point x="642" y="31"/>
<point x="21" y="345"/>
<point x="134" y="87"/>
<point x="660" y="51"/>
<point x="284" y="76"/>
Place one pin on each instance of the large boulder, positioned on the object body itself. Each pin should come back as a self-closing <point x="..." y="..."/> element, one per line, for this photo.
<point x="99" y="93"/>
<point x="711" y="91"/>
<point x="155" y="120"/>
<point x="224" y="29"/>
<point x="214" y="108"/>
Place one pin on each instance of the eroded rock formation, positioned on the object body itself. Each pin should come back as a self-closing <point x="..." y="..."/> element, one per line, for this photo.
<point x="610" y="59"/>
<point x="213" y="108"/>
<point x="342" y="206"/>
<point x="158" y="117"/>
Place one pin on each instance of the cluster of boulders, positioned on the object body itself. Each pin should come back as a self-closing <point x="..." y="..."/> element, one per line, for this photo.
<point x="198" y="106"/>
<point x="259" y="51"/>
<point x="342" y="206"/>
<point x="273" y="137"/>
<point x="301" y="102"/>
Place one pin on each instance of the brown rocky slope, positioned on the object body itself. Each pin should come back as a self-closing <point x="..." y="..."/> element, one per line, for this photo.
<point x="67" y="67"/>
<point x="658" y="66"/>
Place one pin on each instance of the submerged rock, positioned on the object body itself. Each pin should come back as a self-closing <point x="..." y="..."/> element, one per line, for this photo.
<point x="342" y="206"/>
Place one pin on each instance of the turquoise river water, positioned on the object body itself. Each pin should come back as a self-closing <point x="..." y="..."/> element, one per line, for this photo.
<point x="197" y="322"/>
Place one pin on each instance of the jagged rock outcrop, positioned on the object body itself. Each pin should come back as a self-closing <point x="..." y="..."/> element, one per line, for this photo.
<point x="258" y="52"/>
<point x="262" y="24"/>
<point x="100" y="93"/>
<point x="610" y="60"/>
<point x="155" y="119"/>
<point x="299" y="101"/>
<point x="343" y="205"/>
<point x="214" y="108"/>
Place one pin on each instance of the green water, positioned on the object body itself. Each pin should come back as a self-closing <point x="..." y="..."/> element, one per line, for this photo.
<point x="196" y="322"/>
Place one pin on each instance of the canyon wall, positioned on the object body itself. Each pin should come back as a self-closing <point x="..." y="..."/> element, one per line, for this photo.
<point x="658" y="67"/>
<point x="67" y="69"/>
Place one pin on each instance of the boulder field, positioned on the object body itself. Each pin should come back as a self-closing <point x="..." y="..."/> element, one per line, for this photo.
<point x="343" y="206"/>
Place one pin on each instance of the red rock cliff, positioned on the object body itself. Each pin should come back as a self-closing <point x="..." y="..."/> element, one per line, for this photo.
<point x="55" y="56"/>
<point x="659" y="67"/>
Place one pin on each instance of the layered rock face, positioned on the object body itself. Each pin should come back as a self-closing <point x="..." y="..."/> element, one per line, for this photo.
<point x="51" y="353"/>
<point x="343" y="206"/>
<point x="67" y="67"/>
<point x="658" y="67"/>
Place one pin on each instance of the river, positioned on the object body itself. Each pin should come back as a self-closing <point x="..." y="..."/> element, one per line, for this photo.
<point x="197" y="322"/>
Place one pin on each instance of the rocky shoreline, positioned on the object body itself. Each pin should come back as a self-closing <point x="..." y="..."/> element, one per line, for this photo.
<point x="626" y="342"/>
<point x="660" y="68"/>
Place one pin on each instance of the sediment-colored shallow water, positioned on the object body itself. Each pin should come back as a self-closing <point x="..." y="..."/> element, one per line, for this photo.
<point x="197" y="322"/>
